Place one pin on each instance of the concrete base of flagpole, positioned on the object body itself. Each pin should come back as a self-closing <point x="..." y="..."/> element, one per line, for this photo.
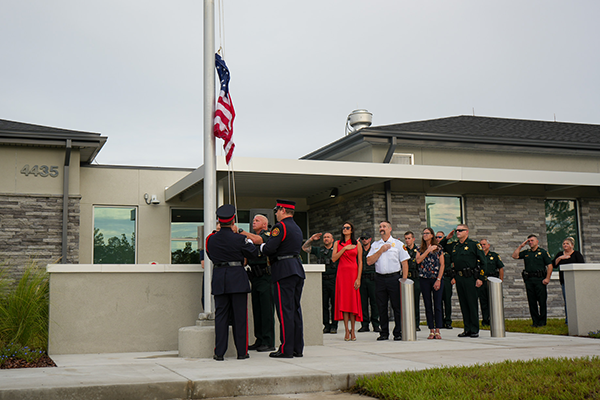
<point x="199" y="341"/>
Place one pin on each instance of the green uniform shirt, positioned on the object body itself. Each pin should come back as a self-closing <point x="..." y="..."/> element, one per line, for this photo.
<point x="448" y="266"/>
<point x="535" y="260"/>
<point x="260" y="260"/>
<point x="324" y="257"/>
<point x="412" y="262"/>
<point x="468" y="255"/>
<point x="494" y="263"/>
<point x="366" y="267"/>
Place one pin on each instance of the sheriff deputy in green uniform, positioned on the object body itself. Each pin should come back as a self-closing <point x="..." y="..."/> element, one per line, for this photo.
<point x="263" y="308"/>
<point x="536" y="275"/>
<point x="494" y="268"/>
<point x="367" y="288"/>
<point x="413" y="273"/>
<point x="323" y="255"/>
<point x="448" y="279"/>
<point x="469" y="260"/>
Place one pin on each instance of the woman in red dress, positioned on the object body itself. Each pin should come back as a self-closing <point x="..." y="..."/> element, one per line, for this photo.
<point x="348" y="306"/>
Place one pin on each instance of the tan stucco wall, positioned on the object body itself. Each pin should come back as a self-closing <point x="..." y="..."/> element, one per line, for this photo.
<point x="126" y="187"/>
<point x="457" y="157"/>
<point x="14" y="158"/>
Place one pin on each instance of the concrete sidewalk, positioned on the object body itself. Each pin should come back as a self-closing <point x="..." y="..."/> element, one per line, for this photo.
<point x="330" y="367"/>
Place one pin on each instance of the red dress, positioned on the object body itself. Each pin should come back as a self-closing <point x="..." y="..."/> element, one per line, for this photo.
<point x="347" y="299"/>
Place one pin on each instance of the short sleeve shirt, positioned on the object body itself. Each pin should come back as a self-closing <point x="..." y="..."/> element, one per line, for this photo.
<point x="535" y="260"/>
<point x="391" y="260"/>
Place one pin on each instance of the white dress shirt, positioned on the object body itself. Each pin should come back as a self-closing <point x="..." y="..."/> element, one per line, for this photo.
<point x="390" y="260"/>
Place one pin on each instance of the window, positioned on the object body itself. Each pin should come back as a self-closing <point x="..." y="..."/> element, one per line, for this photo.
<point x="187" y="234"/>
<point x="443" y="213"/>
<point x="114" y="235"/>
<point x="561" y="222"/>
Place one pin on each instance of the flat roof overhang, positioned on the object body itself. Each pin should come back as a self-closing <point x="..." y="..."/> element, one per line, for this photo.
<point x="314" y="179"/>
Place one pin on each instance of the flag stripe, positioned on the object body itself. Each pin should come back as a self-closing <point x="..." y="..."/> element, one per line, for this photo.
<point x="224" y="112"/>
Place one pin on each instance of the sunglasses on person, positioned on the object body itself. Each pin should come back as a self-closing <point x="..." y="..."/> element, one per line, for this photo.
<point x="346" y="227"/>
<point x="439" y="237"/>
<point x="460" y="230"/>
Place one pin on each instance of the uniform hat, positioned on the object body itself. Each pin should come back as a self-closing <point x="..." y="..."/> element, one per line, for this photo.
<point x="366" y="235"/>
<point x="226" y="213"/>
<point x="285" y="204"/>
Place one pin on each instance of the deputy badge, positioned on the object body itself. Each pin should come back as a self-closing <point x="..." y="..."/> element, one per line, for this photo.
<point x="491" y="258"/>
<point x="275" y="232"/>
<point x="466" y="247"/>
<point x="539" y="254"/>
<point x="393" y="244"/>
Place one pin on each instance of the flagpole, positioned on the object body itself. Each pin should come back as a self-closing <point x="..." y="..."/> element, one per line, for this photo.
<point x="210" y="165"/>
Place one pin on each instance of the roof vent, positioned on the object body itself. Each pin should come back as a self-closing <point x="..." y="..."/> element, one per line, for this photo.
<point x="357" y="120"/>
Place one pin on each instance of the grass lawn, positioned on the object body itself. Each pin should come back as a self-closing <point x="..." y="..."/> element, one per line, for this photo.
<point x="547" y="378"/>
<point x="537" y="379"/>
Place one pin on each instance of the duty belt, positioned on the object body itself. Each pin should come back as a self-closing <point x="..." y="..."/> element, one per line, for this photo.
<point x="329" y="276"/>
<point x="467" y="273"/>
<point x="533" y="274"/>
<point x="229" y="264"/>
<point x="413" y="274"/>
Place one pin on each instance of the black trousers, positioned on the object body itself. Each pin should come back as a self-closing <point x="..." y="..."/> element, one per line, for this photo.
<point x="328" y="287"/>
<point x="288" y="292"/>
<point x="537" y="295"/>
<point x="483" y="293"/>
<point x="263" y="310"/>
<point x="388" y="289"/>
<point x="368" y="297"/>
<point x="447" y="300"/>
<point x="236" y="306"/>
<point x="467" y="298"/>
<point x="433" y="309"/>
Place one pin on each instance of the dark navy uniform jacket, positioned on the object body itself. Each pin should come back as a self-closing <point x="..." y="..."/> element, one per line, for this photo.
<point x="285" y="240"/>
<point x="225" y="246"/>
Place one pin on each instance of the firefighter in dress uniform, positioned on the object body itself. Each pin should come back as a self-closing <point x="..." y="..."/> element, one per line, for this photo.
<point x="283" y="249"/>
<point x="230" y="285"/>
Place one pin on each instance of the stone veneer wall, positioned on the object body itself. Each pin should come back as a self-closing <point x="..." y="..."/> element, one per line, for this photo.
<point x="31" y="228"/>
<point x="590" y="229"/>
<point x="505" y="221"/>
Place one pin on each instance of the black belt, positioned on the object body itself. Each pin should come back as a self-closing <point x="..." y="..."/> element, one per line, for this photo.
<point x="467" y="273"/>
<point x="390" y="274"/>
<point x="229" y="264"/>
<point x="279" y="258"/>
<point x="330" y="276"/>
<point x="534" y="274"/>
<point x="412" y="274"/>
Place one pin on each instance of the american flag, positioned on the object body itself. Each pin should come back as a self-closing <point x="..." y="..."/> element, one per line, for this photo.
<point x="224" y="113"/>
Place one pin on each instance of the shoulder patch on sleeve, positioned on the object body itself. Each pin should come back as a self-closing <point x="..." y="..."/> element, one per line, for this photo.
<point x="275" y="232"/>
<point x="479" y="246"/>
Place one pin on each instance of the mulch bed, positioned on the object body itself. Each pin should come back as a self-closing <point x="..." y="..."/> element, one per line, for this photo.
<point x="43" y="362"/>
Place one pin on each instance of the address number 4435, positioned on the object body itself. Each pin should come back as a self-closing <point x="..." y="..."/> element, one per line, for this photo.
<point x="40" y="170"/>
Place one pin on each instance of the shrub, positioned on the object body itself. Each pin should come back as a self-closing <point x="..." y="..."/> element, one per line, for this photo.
<point x="24" y="309"/>
<point x="595" y="334"/>
<point x="16" y="351"/>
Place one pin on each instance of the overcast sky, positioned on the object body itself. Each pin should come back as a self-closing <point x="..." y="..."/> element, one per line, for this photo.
<point x="132" y="70"/>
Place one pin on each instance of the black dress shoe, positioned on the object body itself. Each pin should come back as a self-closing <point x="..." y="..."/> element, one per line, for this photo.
<point x="264" y="347"/>
<point x="464" y="334"/>
<point x="326" y="330"/>
<point x="279" y="354"/>
<point x="448" y="326"/>
<point x="377" y="329"/>
<point x="243" y="357"/>
<point x="333" y="330"/>
<point x="418" y="328"/>
<point x="381" y="337"/>
<point x="218" y="358"/>
<point x="364" y="329"/>
<point x="399" y="337"/>
<point x="474" y="335"/>
<point x="254" y="346"/>
<point x="298" y="355"/>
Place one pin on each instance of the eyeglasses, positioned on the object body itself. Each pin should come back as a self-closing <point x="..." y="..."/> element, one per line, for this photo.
<point x="347" y="227"/>
<point x="460" y="230"/>
<point x="426" y="233"/>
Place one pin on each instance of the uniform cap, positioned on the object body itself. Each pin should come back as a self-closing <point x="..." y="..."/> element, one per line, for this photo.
<point x="366" y="235"/>
<point x="286" y="204"/>
<point x="226" y="213"/>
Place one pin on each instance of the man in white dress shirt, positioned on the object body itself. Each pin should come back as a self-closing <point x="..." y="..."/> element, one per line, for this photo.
<point x="391" y="264"/>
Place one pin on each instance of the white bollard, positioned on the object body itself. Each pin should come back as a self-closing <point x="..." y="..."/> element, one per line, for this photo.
<point x="407" y="306"/>
<point x="496" y="307"/>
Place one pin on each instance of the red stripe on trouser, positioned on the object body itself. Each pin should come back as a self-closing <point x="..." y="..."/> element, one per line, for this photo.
<point x="246" y="329"/>
<point x="281" y="318"/>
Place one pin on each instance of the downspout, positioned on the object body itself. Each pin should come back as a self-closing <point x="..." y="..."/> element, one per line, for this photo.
<point x="65" y="221"/>
<point x="388" y="184"/>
